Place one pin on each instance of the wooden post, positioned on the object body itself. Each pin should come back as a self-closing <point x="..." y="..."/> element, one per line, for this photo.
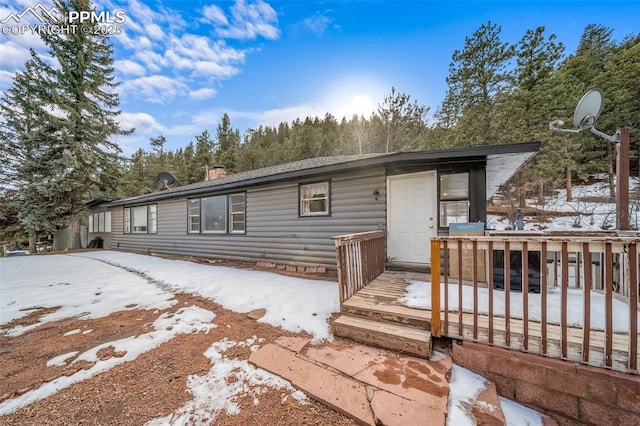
<point x="435" y="288"/>
<point x="622" y="177"/>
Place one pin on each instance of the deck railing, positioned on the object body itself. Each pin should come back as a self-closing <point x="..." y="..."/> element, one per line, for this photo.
<point x="360" y="259"/>
<point x="582" y="303"/>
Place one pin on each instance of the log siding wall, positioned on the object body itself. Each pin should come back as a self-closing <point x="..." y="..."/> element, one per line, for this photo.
<point x="275" y="232"/>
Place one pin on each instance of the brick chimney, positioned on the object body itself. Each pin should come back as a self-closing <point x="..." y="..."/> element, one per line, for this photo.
<point x="215" y="172"/>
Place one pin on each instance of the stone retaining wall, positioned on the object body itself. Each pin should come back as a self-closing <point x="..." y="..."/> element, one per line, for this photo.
<point x="570" y="393"/>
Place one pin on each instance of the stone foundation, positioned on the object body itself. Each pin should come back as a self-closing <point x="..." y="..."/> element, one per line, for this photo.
<point x="569" y="393"/>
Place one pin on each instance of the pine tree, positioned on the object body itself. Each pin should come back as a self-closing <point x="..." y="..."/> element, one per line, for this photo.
<point x="228" y="144"/>
<point x="80" y="160"/>
<point x="478" y="74"/>
<point x="402" y="123"/>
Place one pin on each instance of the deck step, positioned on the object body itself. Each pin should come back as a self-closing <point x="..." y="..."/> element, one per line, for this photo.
<point x="396" y="337"/>
<point x="364" y="307"/>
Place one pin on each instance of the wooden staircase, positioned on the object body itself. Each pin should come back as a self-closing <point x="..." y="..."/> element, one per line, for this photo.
<point x="374" y="316"/>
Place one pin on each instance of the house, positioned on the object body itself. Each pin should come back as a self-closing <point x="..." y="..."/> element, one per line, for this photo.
<point x="288" y="213"/>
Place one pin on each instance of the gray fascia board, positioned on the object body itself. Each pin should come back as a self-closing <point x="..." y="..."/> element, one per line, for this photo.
<point x="430" y="157"/>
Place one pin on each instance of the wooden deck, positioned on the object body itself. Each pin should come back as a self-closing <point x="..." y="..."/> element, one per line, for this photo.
<point x="378" y="301"/>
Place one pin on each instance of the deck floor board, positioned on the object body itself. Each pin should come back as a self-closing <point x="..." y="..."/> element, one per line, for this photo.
<point x="383" y="294"/>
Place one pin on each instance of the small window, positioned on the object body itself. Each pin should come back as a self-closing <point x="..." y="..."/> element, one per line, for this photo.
<point x="237" y="213"/>
<point x="107" y="222"/>
<point x="140" y="219"/>
<point x="90" y="223"/>
<point x="454" y="186"/>
<point x="127" y="220"/>
<point x="314" y="199"/>
<point x="454" y="198"/>
<point x="194" y="216"/>
<point x="214" y="214"/>
<point x="454" y="212"/>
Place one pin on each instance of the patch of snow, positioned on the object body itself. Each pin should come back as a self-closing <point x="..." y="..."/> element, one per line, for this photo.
<point x="227" y="381"/>
<point x="72" y="332"/>
<point x="518" y="415"/>
<point x="464" y="388"/>
<point x="295" y="304"/>
<point x="418" y="295"/>
<point x="81" y="287"/>
<point x="61" y="360"/>
<point x="184" y="321"/>
<point x="87" y="331"/>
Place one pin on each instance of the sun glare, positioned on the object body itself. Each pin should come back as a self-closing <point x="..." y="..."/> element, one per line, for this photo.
<point x="361" y="105"/>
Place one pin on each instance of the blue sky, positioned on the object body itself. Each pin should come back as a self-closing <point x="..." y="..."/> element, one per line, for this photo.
<point x="182" y="64"/>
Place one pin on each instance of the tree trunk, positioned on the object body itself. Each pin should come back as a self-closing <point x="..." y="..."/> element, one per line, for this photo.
<point x="76" y="241"/>
<point x="541" y="191"/>
<point x="569" y="195"/>
<point x="32" y="242"/>
<point x="13" y="243"/>
<point x="522" y="196"/>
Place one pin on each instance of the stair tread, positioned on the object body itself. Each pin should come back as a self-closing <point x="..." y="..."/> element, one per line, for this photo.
<point x="362" y="303"/>
<point x="399" y="330"/>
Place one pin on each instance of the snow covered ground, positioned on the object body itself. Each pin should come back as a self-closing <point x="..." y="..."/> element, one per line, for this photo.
<point x="418" y="295"/>
<point x="95" y="284"/>
<point x="586" y="214"/>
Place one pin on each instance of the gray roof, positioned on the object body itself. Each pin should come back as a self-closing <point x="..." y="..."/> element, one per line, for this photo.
<point x="249" y="175"/>
<point x="320" y="165"/>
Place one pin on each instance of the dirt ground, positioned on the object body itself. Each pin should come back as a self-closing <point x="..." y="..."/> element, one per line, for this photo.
<point x="153" y="385"/>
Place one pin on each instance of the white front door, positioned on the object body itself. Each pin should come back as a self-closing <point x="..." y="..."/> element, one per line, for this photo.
<point x="411" y="217"/>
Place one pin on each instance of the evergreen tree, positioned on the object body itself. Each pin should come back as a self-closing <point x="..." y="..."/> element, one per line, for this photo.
<point x="478" y="74"/>
<point x="228" y="144"/>
<point x="79" y="160"/>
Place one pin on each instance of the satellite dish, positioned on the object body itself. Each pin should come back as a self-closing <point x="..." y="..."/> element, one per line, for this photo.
<point x="585" y="116"/>
<point x="166" y="179"/>
<point x="588" y="109"/>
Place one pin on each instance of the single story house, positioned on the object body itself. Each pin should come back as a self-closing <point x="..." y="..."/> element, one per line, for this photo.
<point x="288" y="213"/>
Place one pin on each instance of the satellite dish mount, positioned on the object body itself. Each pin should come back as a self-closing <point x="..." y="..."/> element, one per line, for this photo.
<point x="584" y="118"/>
<point x="166" y="179"/>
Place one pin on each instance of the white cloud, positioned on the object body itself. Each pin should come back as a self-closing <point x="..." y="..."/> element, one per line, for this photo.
<point x="251" y="19"/>
<point x="203" y="93"/>
<point x="317" y="24"/>
<point x="154" y="31"/>
<point x="143" y="123"/>
<point x="214" y="14"/>
<point x="155" y="88"/>
<point x="13" y="56"/>
<point x="128" y="67"/>
<point x="6" y="78"/>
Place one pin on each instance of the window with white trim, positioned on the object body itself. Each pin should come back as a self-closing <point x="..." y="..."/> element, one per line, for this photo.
<point x="194" y="216"/>
<point x="219" y="214"/>
<point x="454" y="198"/>
<point x="314" y="199"/>
<point x="99" y="222"/>
<point x="237" y="215"/>
<point x="141" y="219"/>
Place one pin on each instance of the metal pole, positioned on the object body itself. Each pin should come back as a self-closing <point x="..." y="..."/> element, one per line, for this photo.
<point x="622" y="178"/>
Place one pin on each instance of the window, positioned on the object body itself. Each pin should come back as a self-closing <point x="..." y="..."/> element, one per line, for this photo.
<point x="237" y="210"/>
<point x="214" y="214"/>
<point x="141" y="219"/>
<point x="127" y="220"/>
<point x="99" y="222"/>
<point x="194" y="216"/>
<point x="217" y="215"/>
<point x="314" y="199"/>
<point x="454" y="198"/>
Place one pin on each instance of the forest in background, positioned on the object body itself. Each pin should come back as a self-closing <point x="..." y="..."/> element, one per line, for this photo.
<point x="497" y="93"/>
<point x="57" y="123"/>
